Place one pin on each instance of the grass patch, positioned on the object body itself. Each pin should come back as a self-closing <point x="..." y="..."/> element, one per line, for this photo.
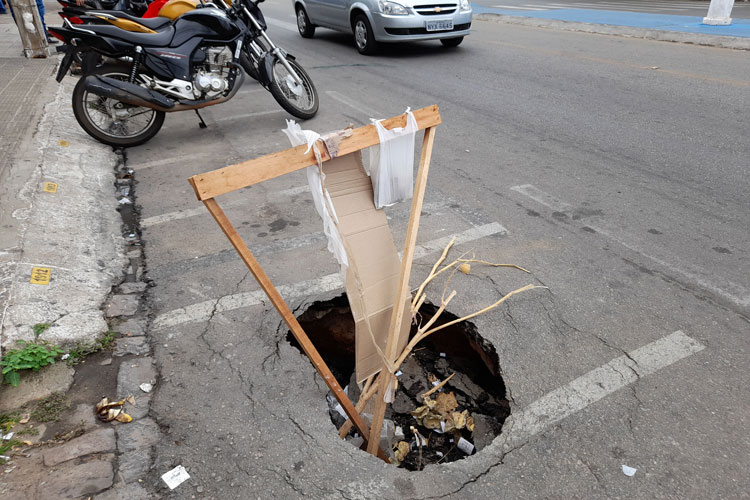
<point x="6" y="446"/>
<point x="29" y="431"/>
<point x="50" y="408"/>
<point x="8" y="420"/>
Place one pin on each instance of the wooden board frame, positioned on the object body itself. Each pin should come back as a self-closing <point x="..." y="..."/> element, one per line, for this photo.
<point x="225" y="180"/>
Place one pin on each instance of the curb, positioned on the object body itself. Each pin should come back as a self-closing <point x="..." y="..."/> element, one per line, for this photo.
<point x="726" y="42"/>
<point x="128" y="306"/>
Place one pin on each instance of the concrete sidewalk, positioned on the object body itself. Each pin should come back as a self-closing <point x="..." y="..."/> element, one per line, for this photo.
<point x="60" y="194"/>
<point x="686" y="29"/>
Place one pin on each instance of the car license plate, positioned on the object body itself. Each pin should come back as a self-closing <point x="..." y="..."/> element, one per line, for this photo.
<point x="439" y="25"/>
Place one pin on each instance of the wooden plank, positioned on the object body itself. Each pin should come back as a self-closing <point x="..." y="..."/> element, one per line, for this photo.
<point x="288" y="317"/>
<point x="399" y="307"/>
<point x="228" y="179"/>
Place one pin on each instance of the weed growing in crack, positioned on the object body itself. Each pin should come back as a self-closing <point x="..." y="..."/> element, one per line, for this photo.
<point x="9" y="420"/>
<point x="50" y="408"/>
<point x="83" y="349"/>
<point x="6" y="446"/>
<point x="31" y="356"/>
<point x="40" y="328"/>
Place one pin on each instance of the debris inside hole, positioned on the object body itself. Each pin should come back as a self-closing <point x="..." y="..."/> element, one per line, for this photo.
<point x="477" y="386"/>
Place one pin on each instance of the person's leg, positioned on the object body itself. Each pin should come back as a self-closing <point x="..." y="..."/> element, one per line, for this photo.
<point x="40" y="6"/>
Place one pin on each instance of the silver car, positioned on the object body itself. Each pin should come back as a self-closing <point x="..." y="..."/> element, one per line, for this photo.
<point x="375" y="21"/>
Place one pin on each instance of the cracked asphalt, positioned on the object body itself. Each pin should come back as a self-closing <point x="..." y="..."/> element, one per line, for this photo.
<point x="618" y="168"/>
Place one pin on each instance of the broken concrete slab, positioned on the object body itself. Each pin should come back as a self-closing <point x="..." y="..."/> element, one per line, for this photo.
<point x="124" y="492"/>
<point x="122" y="305"/>
<point x="137" y="435"/>
<point x="132" y="287"/>
<point x="132" y="374"/>
<point x="134" y="442"/>
<point x="98" y="441"/>
<point x="36" y="385"/>
<point x="76" y="481"/>
<point x="134" y="465"/>
<point x="84" y="415"/>
<point x="136" y="346"/>
<point x="131" y="327"/>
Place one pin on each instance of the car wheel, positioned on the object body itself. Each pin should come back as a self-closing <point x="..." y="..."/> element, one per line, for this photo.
<point x="305" y="27"/>
<point x="363" y="37"/>
<point x="452" y="42"/>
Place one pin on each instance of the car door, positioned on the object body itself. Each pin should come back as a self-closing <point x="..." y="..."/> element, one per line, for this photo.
<point x="335" y="13"/>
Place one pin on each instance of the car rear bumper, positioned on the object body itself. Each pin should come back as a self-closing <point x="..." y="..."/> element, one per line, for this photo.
<point x="413" y="27"/>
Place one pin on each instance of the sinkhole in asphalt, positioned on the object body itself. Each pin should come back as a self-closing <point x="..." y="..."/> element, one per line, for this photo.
<point x="477" y="385"/>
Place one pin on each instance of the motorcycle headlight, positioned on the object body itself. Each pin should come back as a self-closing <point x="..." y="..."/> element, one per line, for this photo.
<point x="465" y="5"/>
<point x="392" y="8"/>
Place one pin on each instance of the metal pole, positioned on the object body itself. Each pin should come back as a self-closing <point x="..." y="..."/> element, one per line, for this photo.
<point x="31" y="29"/>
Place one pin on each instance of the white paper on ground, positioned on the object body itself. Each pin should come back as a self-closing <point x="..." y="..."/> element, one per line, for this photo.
<point x="628" y="471"/>
<point x="465" y="446"/>
<point x="175" y="477"/>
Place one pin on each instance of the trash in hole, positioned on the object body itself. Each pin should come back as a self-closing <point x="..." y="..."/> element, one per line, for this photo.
<point x="457" y="403"/>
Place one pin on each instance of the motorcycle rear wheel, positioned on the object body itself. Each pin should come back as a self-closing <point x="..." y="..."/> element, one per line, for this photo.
<point x="300" y="101"/>
<point x="94" y="113"/>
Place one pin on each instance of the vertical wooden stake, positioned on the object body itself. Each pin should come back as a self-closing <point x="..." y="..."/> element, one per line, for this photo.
<point x="386" y="378"/>
<point x="288" y="317"/>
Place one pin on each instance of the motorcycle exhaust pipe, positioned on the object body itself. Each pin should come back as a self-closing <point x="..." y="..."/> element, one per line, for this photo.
<point x="127" y="92"/>
<point x="135" y="95"/>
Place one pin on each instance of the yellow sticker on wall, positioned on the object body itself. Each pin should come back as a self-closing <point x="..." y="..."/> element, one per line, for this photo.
<point x="63" y="143"/>
<point x="40" y="275"/>
<point x="50" y="187"/>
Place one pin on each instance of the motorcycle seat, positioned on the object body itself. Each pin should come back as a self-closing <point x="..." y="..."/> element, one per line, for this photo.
<point x="153" y="23"/>
<point x="159" y="39"/>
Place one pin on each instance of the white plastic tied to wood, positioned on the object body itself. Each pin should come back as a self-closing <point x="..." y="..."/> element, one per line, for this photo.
<point x="298" y="136"/>
<point x="392" y="163"/>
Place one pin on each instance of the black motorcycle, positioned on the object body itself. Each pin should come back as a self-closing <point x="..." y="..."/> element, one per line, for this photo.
<point x="190" y="63"/>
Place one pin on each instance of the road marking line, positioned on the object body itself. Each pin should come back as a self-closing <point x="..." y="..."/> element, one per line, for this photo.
<point x="249" y="115"/>
<point x="201" y="210"/>
<point x="540" y="196"/>
<point x="172" y="159"/>
<point x="371" y="113"/>
<point x="250" y="91"/>
<point x="601" y="382"/>
<point x="203" y="310"/>
<point x="739" y="294"/>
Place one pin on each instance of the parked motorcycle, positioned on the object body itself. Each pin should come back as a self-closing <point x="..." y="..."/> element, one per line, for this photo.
<point x="188" y="63"/>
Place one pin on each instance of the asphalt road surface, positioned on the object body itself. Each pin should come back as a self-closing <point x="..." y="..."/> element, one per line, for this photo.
<point x="615" y="169"/>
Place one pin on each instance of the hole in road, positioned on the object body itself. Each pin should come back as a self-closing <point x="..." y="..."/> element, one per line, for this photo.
<point x="477" y="384"/>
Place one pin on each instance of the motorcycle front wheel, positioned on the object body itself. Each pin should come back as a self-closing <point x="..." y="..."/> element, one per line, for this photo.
<point x="300" y="101"/>
<point x="110" y="121"/>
